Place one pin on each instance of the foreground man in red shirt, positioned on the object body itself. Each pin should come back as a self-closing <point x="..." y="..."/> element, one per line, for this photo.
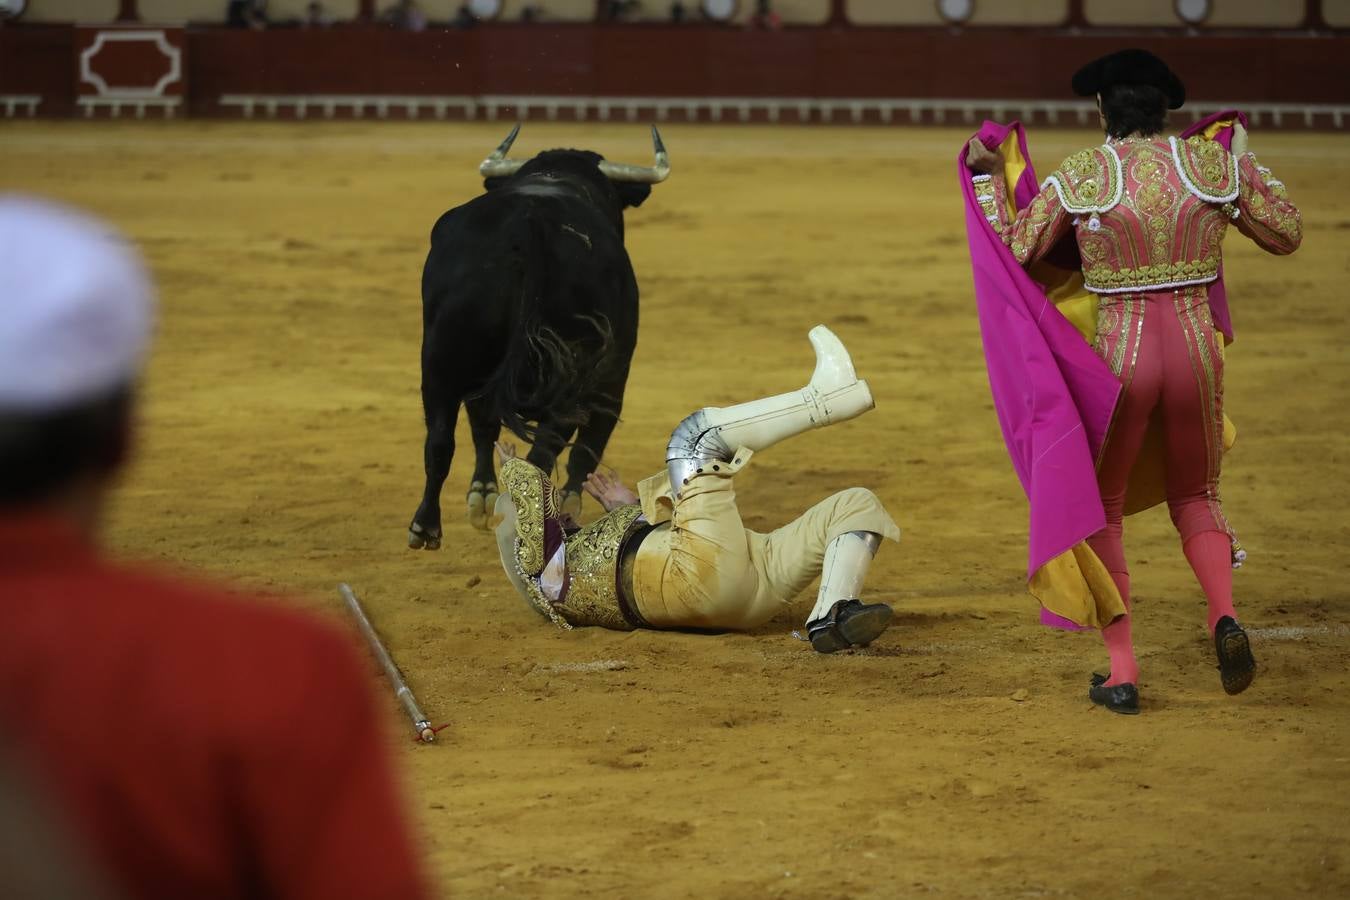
<point x="198" y="744"/>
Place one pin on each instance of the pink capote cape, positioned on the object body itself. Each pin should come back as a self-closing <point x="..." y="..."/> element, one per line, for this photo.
<point x="1053" y="395"/>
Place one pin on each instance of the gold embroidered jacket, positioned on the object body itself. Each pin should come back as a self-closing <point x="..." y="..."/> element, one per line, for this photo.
<point x="570" y="577"/>
<point x="1148" y="214"/>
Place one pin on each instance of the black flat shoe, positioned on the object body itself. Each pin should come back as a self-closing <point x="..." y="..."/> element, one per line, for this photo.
<point x="1119" y="698"/>
<point x="850" y="623"/>
<point x="1098" y="679"/>
<point x="1237" y="666"/>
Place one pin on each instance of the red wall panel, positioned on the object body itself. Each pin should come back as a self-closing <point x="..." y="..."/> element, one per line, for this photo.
<point x="540" y="59"/>
<point x="762" y="64"/>
<point x="652" y="62"/>
<point x="40" y="60"/>
<point x="694" y="61"/>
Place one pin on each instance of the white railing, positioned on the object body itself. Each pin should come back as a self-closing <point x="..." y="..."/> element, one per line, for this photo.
<point x="327" y="105"/>
<point x="885" y="110"/>
<point x="167" y="106"/>
<point x="13" y="103"/>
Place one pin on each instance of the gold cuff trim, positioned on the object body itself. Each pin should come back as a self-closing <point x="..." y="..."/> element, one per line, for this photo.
<point x="536" y="501"/>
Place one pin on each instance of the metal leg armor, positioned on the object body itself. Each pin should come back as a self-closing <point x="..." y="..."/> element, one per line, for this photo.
<point x="710" y="435"/>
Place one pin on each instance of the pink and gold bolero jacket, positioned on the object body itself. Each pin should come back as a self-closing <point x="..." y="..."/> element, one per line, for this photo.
<point x="1148" y="215"/>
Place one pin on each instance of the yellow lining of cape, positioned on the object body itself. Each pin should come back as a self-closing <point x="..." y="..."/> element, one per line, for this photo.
<point x="1076" y="586"/>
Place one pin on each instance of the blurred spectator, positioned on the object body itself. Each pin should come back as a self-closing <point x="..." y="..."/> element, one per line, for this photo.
<point x="194" y="743"/>
<point x="622" y="10"/>
<point x="465" y="17"/>
<point x="405" y="15"/>
<point x="316" y="16"/>
<point x="246" y="14"/>
<point x="764" y="18"/>
<point x="677" y="12"/>
<point x="531" y="12"/>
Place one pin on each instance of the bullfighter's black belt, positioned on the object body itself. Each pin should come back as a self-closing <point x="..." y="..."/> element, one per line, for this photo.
<point x="627" y="561"/>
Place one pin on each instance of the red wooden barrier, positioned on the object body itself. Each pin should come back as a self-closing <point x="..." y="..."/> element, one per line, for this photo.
<point x="39" y="61"/>
<point x="688" y="61"/>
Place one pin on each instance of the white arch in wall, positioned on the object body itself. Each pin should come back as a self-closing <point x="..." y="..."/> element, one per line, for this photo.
<point x="175" y="56"/>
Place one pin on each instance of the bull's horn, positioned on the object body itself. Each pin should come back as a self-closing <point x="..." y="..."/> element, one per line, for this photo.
<point x="497" y="164"/>
<point x="654" y="174"/>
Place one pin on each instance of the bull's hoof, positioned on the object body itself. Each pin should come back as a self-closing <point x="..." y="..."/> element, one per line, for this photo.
<point x="420" y="538"/>
<point x="571" y="504"/>
<point x="481" y="500"/>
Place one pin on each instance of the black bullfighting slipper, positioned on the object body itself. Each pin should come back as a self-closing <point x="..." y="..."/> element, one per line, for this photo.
<point x="1098" y="679"/>
<point x="1119" y="698"/>
<point x="1237" y="666"/>
<point x="850" y="623"/>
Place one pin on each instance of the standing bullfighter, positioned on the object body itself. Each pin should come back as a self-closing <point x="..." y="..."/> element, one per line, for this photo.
<point x="529" y="308"/>
<point x="1148" y="215"/>
<point x="676" y="555"/>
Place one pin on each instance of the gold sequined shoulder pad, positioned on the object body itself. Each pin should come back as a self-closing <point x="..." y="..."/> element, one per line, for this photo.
<point x="536" y="500"/>
<point x="1207" y="170"/>
<point x="1090" y="181"/>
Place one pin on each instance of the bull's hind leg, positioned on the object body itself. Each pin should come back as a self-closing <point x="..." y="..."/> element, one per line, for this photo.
<point x="425" y="531"/>
<point x="603" y="407"/>
<point x="482" y="496"/>
<point x="592" y="438"/>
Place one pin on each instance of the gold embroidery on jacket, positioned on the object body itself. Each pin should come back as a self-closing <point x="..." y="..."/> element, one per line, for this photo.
<point x="1161" y="235"/>
<point x="1206" y="169"/>
<point x="536" y="500"/>
<point x="1158" y="213"/>
<point x="592" y="596"/>
<point x="1264" y="204"/>
<point x="1089" y="181"/>
<point x="1102" y="277"/>
<point x="1028" y="233"/>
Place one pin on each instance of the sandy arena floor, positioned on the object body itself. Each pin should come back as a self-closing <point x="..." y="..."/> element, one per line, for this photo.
<point x="282" y="450"/>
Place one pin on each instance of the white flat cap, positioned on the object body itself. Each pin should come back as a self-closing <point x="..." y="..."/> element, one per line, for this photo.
<point x="76" y="307"/>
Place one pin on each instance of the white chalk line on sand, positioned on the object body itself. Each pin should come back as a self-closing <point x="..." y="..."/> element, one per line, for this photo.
<point x="1279" y="633"/>
<point x="949" y="648"/>
<point x="1298" y="632"/>
<point x="599" y="665"/>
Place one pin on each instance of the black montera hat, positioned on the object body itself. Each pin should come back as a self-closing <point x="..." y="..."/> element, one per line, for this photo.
<point x="1130" y="67"/>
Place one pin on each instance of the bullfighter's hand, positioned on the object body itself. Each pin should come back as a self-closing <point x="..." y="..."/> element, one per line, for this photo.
<point x="505" y="450"/>
<point x="1239" y="144"/>
<point x="981" y="159"/>
<point x="611" y="492"/>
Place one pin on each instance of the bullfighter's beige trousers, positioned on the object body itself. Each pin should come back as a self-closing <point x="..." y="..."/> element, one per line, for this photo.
<point x="704" y="569"/>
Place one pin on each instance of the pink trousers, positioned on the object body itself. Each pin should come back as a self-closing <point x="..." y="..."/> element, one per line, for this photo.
<point x="1165" y="351"/>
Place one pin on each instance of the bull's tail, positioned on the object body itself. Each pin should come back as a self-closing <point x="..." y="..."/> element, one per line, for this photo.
<point x="552" y="373"/>
<point x="548" y="378"/>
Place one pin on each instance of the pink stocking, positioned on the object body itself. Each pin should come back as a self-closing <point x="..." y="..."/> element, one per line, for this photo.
<point x="1118" y="639"/>
<point x="1210" y="556"/>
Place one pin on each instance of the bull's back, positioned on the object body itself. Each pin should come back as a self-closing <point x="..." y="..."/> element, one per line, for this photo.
<point x="560" y="250"/>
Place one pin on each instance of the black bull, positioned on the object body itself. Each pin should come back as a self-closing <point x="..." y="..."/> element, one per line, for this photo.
<point x="529" y="319"/>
